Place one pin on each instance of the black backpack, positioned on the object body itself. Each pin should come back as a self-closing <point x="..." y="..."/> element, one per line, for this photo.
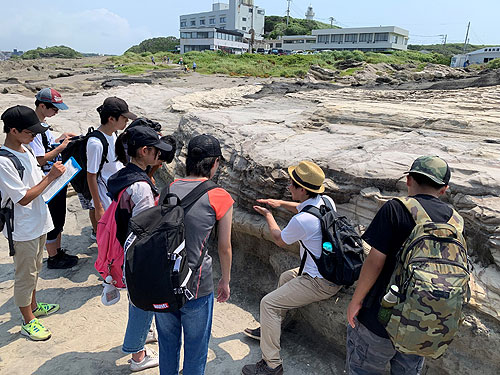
<point x="156" y="268"/>
<point x="343" y="264"/>
<point x="7" y="212"/>
<point x="77" y="149"/>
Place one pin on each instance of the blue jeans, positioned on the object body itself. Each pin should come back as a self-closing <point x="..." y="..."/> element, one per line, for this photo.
<point x="195" y="320"/>
<point x="368" y="354"/>
<point x="138" y="325"/>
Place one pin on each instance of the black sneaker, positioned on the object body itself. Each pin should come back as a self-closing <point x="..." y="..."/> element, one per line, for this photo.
<point x="253" y="333"/>
<point x="62" y="260"/>
<point x="261" y="368"/>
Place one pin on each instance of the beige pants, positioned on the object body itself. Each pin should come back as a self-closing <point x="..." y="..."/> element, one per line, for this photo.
<point x="28" y="264"/>
<point x="293" y="291"/>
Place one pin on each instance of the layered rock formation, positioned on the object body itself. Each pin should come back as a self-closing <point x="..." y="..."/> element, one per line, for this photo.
<point x="364" y="141"/>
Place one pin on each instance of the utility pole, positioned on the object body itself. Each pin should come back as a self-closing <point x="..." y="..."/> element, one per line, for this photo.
<point x="466" y="38"/>
<point x="288" y="13"/>
<point x="332" y="20"/>
<point x="444" y="38"/>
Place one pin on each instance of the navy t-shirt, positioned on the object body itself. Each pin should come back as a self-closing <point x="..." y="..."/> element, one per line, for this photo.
<point x="389" y="229"/>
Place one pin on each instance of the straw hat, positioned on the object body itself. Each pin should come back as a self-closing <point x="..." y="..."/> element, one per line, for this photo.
<point x="308" y="175"/>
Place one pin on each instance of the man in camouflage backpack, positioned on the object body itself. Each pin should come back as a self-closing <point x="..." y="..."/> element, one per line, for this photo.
<point x="370" y="344"/>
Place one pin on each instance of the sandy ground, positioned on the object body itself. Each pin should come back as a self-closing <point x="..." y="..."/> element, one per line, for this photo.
<point x="87" y="335"/>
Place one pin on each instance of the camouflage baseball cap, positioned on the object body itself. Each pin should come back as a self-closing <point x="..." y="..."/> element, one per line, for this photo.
<point x="432" y="167"/>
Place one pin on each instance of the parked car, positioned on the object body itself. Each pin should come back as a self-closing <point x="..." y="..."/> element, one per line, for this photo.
<point x="260" y="50"/>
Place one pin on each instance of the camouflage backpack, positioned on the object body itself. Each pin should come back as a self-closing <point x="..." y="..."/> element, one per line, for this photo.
<point x="432" y="274"/>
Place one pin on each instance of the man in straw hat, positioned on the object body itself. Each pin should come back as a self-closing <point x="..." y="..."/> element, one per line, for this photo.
<point x="294" y="290"/>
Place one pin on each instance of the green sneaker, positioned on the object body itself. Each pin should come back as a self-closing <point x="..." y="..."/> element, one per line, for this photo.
<point x="35" y="330"/>
<point x="43" y="309"/>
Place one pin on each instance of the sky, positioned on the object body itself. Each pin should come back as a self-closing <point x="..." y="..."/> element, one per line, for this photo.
<point x="112" y="26"/>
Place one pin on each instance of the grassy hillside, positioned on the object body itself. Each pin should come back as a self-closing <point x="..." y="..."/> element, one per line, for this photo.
<point x="275" y="26"/>
<point x="269" y="65"/>
<point x="62" y="52"/>
<point x="445" y="49"/>
<point x="155" y="45"/>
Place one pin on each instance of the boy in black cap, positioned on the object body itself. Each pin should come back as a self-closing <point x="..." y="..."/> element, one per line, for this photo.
<point x="427" y="180"/>
<point x="114" y="114"/>
<point x="32" y="219"/>
<point x="47" y="150"/>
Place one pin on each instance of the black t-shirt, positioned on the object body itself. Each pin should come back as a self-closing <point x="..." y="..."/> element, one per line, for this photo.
<point x="389" y="229"/>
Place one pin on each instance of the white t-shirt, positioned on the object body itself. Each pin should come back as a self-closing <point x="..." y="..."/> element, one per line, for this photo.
<point x="307" y="228"/>
<point x="141" y="196"/>
<point x="94" y="157"/>
<point x="33" y="220"/>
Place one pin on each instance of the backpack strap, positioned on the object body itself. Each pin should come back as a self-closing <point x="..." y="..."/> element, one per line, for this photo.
<point x="415" y="209"/>
<point x="9" y="212"/>
<point x="197" y="193"/>
<point x="105" y="145"/>
<point x="457" y="221"/>
<point x="315" y="211"/>
<point x="45" y="142"/>
<point x="15" y="161"/>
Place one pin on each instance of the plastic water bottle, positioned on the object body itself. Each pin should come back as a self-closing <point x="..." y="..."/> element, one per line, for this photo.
<point x="388" y="302"/>
<point x="110" y="294"/>
<point x="327" y="247"/>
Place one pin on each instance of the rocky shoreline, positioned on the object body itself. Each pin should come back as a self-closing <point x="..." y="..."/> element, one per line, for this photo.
<point x="363" y="137"/>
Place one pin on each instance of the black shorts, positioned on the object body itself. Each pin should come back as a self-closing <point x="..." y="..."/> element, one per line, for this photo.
<point x="57" y="208"/>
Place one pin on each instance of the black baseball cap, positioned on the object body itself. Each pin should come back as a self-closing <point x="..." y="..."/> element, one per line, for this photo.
<point x="22" y="117"/>
<point x="140" y="136"/>
<point x="204" y="146"/>
<point x="114" y="104"/>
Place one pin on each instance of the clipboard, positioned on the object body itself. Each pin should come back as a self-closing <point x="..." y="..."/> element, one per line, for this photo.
<point x="72" y="169"/>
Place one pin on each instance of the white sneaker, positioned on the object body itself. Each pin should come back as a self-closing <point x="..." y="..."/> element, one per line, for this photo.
<point x="150" y="360"/>
<point x="151" y="337"/>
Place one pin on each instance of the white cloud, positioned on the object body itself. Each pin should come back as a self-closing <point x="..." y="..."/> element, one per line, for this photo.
<point x="96" y="30"/>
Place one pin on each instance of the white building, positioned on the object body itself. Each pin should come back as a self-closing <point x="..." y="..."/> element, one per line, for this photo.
<point x="239" y="15"/>
<point x="383" y="38"/>
<point x="481" y="56"/>
<point x="213" y="39"/>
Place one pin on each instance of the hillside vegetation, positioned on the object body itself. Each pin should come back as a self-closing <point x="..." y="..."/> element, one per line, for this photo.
<point x="275" y="26"/>
<point x="154" y="45"/>
<point x="62" y="52"/>
<point x="450" y="49"/>
<point x="269" y="65"/>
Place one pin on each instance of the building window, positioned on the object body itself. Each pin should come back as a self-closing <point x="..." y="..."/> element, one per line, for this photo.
<point x="365" y="37"/>
<point x="222" y="20"/>
<point x="202" y="35"/>
<point x="243" y="19"/>
<point x="288" y="41"/>
<point x="243" y="28"/>
<point x="353" y="38"/>
<point x="337" y="38"/>
<point x="183" y="24"/>
<point x="211" y="21"/>
<point x="193" y="23"/>
<point x="186" y="35"/>
<point x="278" y="45"/>
<point x="260" y="11"/>
<point x="202" y="22"/>
<point x="324" y="39"/>
<point x="310" y="41"/>
<point x="381" y="37"/>
<point x="395" y="39"/>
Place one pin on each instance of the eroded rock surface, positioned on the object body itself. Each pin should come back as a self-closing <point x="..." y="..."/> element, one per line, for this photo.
<point x="364" y="141"/>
